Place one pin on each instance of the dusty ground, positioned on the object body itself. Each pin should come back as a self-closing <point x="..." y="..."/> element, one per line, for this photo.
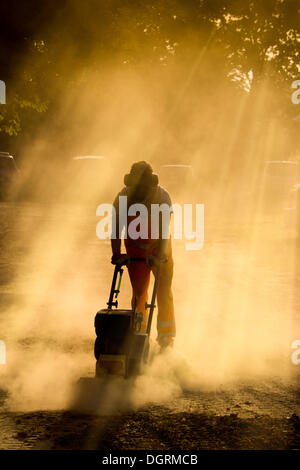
<point x="257" y="411"/>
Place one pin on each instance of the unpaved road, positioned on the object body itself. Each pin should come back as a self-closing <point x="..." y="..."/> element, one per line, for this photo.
<point x="260" y="416"/>
<point x="62" y="261"/>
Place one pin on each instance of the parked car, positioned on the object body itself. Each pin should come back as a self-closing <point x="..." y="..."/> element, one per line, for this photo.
<point x="8" y="174"/>
<point x="293" y="208"/>
<point x="278" y="179"/>
<point x="87" y="180"/>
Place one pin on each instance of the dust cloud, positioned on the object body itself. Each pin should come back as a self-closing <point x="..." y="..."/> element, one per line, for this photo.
<point x="235" y="299"/>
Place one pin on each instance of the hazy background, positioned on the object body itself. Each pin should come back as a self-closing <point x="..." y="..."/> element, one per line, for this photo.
<point x="194" y="81"/>
<point x="201" y="83"/>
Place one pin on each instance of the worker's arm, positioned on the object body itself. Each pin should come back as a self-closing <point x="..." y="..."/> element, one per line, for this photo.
<point x="115" y="239"/>
<point x="116" y="243"/>
<point x="161" y="256"/>
<point x="163" y="228"/>
<point x="163" y="242"/>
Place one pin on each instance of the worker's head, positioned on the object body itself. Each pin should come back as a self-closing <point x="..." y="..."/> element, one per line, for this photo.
<point x="141" y="180"/>
<point x="141" y="173"/>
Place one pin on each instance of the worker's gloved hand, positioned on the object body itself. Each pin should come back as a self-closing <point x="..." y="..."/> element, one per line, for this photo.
<point x="118" y="258"/>
<point x="155" y="260"/>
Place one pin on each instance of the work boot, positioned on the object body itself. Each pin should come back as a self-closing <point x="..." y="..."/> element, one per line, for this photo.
<point x="165" y="342"/>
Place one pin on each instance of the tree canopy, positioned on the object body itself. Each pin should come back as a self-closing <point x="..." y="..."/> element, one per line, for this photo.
<point x="48" y="47"/>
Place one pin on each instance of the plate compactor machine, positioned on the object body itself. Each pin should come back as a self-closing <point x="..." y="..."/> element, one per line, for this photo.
<point x="121" y="348"/>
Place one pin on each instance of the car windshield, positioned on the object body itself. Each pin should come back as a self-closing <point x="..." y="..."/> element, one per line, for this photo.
<point x="282" y="169"/>
<point x="174" y="173"/>
<point x="85" y="165"/>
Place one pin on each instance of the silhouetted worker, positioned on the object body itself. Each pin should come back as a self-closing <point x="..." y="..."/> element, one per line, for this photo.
<point x="141" y="187"/>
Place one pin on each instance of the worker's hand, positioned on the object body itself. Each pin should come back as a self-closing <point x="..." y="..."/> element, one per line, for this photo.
<point x="119" y="259"/>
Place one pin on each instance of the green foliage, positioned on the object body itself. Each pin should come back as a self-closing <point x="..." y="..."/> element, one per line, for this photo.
<point x="45" y="43"/>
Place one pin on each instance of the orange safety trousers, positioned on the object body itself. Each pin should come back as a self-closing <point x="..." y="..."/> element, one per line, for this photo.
<point x="139" y="274"/>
